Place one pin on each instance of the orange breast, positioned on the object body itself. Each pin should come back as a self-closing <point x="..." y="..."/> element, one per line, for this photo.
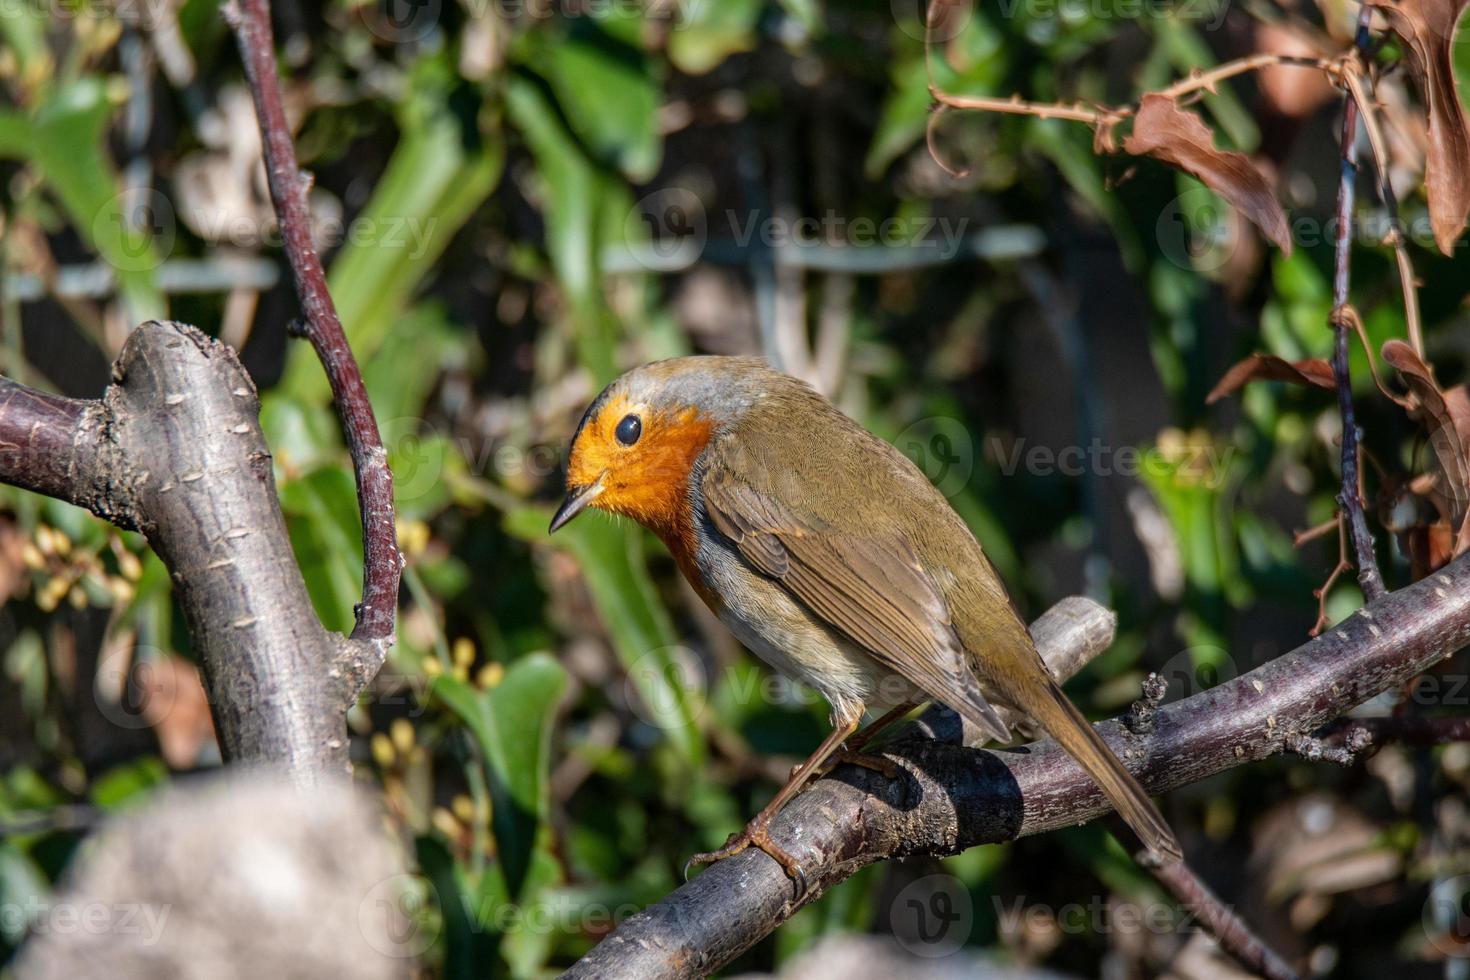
<point x="679" y="537"/>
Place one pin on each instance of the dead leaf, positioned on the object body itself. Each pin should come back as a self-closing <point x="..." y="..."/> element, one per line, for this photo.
<point x="1428" y="29"/>
<point x="175" y="704"/>
<point x="1446" y="414"/>
<point x="1166" y="132"/>
<point x="1269" y="367"/>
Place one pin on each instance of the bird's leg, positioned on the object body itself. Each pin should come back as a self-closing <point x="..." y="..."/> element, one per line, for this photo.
<point x="879" y="725"/>
<point x="852" y="752"/>
<point x="756" y="833"/>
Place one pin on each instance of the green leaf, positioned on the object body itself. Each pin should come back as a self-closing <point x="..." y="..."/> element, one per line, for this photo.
<point x="575" y="194"/>
<point x="511" y="724"/>
<point x="709" y="31"/>
<point x="128" y="783"/>
<point x="610" y="96"/>
<point x="326" y="535"/>
<point x="611" y="557"/>
<point x="66" y="145"/>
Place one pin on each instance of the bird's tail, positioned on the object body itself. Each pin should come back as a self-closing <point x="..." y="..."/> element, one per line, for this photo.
<point x="1063" y="722"/>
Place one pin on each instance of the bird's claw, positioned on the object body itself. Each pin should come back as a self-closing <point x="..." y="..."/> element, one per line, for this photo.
<point x="754" y="835"/>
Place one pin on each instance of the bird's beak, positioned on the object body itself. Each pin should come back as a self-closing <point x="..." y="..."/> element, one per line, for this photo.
<point x="577" y="500"/>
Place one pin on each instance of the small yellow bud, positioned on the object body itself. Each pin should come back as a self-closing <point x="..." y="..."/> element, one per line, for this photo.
<point x="432" y="667"/>
<point x="445" y="823"/>
<point x="401" y="731"/>
<point x="413" y="538"/>
<point x="464" y="808"/>
<point x="382" y="750"/>
<point x="129" y="565"/>
<point x="463" y="652"/>
<point x="491" y="674"/>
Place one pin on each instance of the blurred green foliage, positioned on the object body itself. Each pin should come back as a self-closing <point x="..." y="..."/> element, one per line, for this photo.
<point x="561" y="724"/>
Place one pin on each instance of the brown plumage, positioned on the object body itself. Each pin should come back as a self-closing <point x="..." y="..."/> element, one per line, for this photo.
<point x="829" y="554"/>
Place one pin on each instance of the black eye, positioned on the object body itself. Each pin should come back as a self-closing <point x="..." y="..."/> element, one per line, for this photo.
<point x="629" y="429"/>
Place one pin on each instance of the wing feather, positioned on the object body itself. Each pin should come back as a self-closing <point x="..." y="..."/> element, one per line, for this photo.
<point x="873" y="589"/>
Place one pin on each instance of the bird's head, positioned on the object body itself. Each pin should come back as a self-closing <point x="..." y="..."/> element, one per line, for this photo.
<point x="639" y="440"/>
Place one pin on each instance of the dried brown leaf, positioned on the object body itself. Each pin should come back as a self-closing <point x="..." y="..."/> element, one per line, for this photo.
<point x="1166" y="132"/>
<point x="1446" y="414"/>
<point x="1428" y="30"/>
<point x="1269" y="367"/>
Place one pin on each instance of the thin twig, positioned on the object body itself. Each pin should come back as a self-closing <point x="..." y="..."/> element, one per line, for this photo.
<point x="1364" y="736"/>
<point x="1350" y="499"/>
<point x="382" y="563"/>
<point x="1228" y="929"/>
<point x="1352" y="77"/>
<point x="1342" y="565"/>
<point x="1104" y="118"/>
<point x="1205" y="81"/>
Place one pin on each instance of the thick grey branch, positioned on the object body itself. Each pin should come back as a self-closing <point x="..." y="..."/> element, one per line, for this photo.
<point x="948" y="797"/>
<point x="174" y="449"/>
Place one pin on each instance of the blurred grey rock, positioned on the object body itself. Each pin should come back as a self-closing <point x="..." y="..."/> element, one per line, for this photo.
<point x="239" y="876"/>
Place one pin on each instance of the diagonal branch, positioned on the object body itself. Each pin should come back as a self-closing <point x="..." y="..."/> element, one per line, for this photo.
<point x="382" y="563"/>
<point x="949" y="798"/>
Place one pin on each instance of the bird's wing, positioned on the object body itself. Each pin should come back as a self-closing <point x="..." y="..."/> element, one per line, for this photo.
<point x="871" y="588"/>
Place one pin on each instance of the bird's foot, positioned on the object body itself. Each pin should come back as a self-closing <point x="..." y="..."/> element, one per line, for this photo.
<point x="756" y="834"/>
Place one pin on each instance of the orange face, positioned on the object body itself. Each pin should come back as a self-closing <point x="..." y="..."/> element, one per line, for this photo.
<point x="635" y="460"/>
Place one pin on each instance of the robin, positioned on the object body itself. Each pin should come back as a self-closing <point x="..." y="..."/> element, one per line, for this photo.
<point x="831" y="556"/>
